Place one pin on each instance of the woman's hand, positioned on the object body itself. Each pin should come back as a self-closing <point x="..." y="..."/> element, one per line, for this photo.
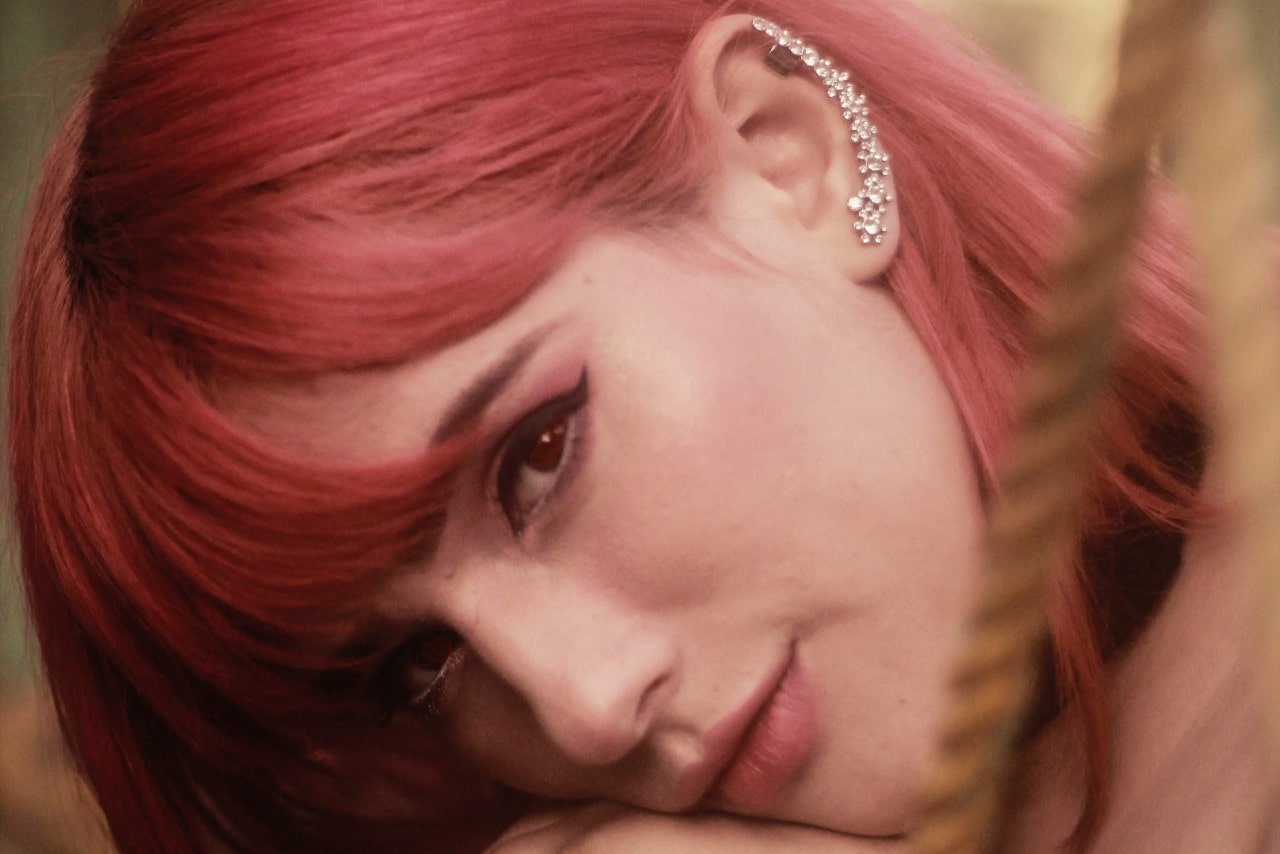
<point x="608" y="828"/>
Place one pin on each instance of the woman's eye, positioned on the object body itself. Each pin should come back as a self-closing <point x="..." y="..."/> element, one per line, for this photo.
<point x="537" y="473"/>
<point x="432" y="653"/>
<point x="420" y="669"/>
<point x="412" y="677"/>
<point x="538" y="455"/>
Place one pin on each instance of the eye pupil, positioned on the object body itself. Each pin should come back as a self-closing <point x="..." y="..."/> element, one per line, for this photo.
<point x="434" y="651"/>
<point x="547" y="449"/>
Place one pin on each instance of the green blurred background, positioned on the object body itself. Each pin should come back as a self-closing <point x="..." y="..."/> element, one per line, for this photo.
<point x="1061" y="47"/>
<point x="46" y="48"/>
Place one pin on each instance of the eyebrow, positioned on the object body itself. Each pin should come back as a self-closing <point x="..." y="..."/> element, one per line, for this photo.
<point x="467" y="407"/>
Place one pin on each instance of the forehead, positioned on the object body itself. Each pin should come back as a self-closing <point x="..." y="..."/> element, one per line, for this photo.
<point x="386" y="413"/>
<point x="379" y="414"/>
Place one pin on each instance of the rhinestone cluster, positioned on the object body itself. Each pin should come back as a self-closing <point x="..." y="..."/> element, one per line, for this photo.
<point x="871" y="204"/>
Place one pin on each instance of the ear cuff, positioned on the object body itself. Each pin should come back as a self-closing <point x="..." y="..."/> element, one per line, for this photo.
<point x="871" y="203"/>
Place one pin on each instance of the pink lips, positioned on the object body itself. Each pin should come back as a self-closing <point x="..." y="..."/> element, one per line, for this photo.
<point x="765" y="742"/>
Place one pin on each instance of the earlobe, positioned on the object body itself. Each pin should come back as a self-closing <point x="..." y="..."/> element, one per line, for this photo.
<point x="789" y="118"/>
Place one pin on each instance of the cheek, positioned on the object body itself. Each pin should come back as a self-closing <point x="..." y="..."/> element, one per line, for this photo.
<point x="775" y="439"/>
<point x="697" y="469"/>
<point x="493" y="727"/>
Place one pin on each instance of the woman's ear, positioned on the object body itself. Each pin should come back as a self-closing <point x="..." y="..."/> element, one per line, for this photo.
<point x="791" y="151"/>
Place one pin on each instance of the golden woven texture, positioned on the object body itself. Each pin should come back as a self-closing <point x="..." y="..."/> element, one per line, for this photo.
<point x="1033" y="520"/>
<point x="1227" y="172"/>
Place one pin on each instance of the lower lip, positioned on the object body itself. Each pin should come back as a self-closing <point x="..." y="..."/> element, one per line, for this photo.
<point x="774" y="748"/>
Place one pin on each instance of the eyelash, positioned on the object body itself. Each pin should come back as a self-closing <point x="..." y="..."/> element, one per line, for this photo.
<point x="398" y="683"/>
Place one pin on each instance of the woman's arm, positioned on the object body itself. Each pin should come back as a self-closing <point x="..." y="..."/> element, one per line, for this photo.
<point x="608" y="828"/>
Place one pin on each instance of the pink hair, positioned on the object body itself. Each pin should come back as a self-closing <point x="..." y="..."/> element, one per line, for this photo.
<point x="299" y="186"/>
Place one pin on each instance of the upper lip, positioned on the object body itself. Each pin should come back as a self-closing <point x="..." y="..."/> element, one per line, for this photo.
<point x="724" y="739"/>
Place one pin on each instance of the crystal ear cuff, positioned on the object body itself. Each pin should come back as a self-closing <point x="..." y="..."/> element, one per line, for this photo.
<point x="871" y="203"/>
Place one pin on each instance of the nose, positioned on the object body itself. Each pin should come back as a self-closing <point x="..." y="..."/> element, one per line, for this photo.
<point x="595" y="673"/>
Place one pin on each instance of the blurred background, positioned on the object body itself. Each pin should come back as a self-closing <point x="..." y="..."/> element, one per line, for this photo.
<point x="1062" y="48"/>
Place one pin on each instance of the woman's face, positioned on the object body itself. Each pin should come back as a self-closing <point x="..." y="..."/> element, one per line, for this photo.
<point x="713" y="550"/>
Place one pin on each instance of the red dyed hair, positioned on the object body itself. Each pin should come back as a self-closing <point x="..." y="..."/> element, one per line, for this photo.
<point x="296" y="186"/>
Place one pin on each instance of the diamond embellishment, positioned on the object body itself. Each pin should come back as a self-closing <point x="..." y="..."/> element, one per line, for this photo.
<point x="870" y="205"/>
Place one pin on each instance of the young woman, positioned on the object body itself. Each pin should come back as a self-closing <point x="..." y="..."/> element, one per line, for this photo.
<point x="425" y="415"/>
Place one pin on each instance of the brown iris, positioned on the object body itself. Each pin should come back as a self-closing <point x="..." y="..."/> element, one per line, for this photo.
<point x="548" y="446"/>
<point x="434" y="650"/>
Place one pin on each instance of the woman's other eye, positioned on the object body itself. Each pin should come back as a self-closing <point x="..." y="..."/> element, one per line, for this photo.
<point x="538" y="455"/>
<point x="415" y="673"/>
<point x="432" y="653"/>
